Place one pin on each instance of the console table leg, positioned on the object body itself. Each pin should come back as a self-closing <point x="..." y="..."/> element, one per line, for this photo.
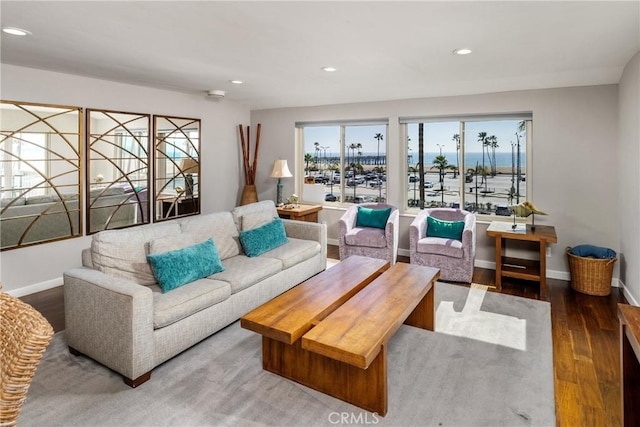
<point x="498" y="263"/>
<point x="543" y="270"/>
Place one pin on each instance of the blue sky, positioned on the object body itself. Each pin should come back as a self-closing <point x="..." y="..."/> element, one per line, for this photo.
<point x="435" y="133"/>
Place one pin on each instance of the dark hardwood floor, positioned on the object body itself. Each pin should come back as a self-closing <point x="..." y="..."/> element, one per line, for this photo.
<point x="586" y="347"/>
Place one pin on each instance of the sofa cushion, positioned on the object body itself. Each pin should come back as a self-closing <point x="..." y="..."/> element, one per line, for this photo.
<point x="241" y="271"/>
<point x="445" y="229"/>
<point x="173" y="242"/>
<point x="123" y="253"/>
<point x="220" y="227"/>
<point x="294" y="252"/>
<point x="256" y="219"/>
<point x="177" y="268"/>
<point x="439" y="246"/>
<point x="370" y="237"/>
<point x="186" y="300"/>
<point x="264" y="238"/>
<point x="376" y="218"/>
<point x="263" y="206"/>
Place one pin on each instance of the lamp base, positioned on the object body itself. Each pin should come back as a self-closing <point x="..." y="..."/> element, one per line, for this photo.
<point x="279" y="193"/>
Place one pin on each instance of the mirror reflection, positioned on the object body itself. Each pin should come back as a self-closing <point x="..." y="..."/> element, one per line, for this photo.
<point x="117" y="169"/>
<point x="40" y="163"/>
<point x="177" y="151"/>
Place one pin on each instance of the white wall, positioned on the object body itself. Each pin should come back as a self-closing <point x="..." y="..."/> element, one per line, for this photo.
<point x="629" y="178"/>
<point x="34" y="268"/>
<point x="575" y="157"/>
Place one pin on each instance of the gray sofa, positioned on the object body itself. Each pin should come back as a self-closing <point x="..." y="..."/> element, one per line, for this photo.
<point x="116" y="313"/>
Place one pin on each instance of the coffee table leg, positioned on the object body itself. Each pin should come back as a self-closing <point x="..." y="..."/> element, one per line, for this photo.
<point x="365" y="388"/>
<point x="423" y="316"/>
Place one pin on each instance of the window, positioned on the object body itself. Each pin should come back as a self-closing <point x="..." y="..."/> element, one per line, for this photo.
<point x="349" y="161"/>
<point x="476" y="163"/>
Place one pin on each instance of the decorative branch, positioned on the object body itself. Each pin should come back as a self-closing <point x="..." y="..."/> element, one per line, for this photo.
<point x="249" y="169"/>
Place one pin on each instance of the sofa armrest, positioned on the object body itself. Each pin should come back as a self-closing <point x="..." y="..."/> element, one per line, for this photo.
<point x="307" y="231"/>
<point x="110" y="320"/>
<point x="417" y="230"/>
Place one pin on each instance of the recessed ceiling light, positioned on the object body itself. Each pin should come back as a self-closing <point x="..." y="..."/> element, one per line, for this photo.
<point x="462" y="51"/>
<point x="236" y="82"/>
<point x="329" y="69"/>
<point x="16" y="31"/>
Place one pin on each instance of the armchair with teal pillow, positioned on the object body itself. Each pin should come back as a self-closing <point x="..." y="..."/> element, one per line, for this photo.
<point x="369" y="229"/>
<point x="446" y="239"/>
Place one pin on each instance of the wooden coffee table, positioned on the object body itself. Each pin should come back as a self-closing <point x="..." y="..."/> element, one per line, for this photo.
<point x="330" y="333"/>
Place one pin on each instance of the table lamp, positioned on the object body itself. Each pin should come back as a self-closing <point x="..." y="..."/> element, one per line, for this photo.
<point x="280" y="170"/>
<point x="189" y="166"/>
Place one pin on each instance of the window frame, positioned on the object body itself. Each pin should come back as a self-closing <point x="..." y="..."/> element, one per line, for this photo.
<point x="462" y="120"/>
<point x="342" y="126"/>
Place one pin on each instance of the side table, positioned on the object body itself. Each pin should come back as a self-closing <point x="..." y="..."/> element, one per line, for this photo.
<point x="308" y="213"/>
<point x="517" y="268"/>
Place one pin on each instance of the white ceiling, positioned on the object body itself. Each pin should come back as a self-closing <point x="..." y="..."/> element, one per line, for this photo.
<point x="383" y="50"/>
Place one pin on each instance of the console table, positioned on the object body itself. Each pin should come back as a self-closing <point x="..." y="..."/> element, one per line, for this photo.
<point x="308" y="213"/>
<point x="517" y="268"/>
<point x="629" y="317"/>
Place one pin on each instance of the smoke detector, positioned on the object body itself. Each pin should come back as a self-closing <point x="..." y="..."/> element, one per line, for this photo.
<point x="216" y="93"/>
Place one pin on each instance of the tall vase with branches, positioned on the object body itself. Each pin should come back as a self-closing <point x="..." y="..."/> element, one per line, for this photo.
<point x="249" y="193"/>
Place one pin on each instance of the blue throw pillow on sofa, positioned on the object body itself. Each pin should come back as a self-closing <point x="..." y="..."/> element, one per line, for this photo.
<point x="376" y="218"/>
<point x="444" y="229"/>
<point x="592" y="251"/>
<point x="264" y="238"/>
<point x="176" y="268"/>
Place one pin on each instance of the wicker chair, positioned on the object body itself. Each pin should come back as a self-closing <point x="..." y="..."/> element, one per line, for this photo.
<point x="25" y="336"/>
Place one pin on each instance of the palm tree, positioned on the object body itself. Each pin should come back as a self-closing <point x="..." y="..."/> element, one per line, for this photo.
<point x="456" y="139"/>
<point x="317" y="145"/>
<point x="307" y="158"/>
<point x="492" y="142"/>
<point x="482" y="139"/>
<point x="379" y="137"/>
<point x="441" y="163"/>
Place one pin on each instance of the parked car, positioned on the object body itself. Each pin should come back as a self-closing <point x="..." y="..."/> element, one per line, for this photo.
<point x="330" y="197"/>
<point x="468" y="177"/>
<point x="413" y="178"/>
<point x="428" y="184"/>
<point x="351" y="182"/>
<point x="503" y="210"/>
<point x="376" y="183"/>
<point x="321" y="179"/>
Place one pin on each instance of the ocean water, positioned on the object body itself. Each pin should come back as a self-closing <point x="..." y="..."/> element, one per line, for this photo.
<point x="502" y="159"/>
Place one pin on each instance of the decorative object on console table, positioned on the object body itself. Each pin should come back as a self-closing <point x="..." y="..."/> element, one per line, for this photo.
<point x="308" y="213"/>
<point x="280" y="170"/>
<point x="516" y="268"/>
<point x="249" y="192"/>
<point x="525" y="209"/>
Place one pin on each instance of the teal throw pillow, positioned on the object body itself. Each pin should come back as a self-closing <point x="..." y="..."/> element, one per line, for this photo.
<point x="264" y="238"/>
<point x="376" y="218"/>
<point x="176" y="268"/>
<point x="592" y="251"/>
<point x="444" y="229"/>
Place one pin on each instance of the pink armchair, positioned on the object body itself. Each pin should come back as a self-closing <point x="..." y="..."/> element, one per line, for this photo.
<point x="453" y="257"/>
<point x="369" y="241"/>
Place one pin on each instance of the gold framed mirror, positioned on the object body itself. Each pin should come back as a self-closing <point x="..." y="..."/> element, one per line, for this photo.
<point x="177" y="167"/>
<point x="117" y="169"/>
<point x="40" y="166"/>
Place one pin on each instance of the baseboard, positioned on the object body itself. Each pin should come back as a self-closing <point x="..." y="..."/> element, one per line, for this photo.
<point x="627" y="294"/>
<point x="37" y="287"/>
<point x="490" y="265"/>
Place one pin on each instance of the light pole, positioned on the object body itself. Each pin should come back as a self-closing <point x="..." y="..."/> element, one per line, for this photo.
<point x="441" y="176"/>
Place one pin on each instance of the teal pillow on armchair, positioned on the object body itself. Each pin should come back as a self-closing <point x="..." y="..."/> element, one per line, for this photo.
<point x="444" y="229"/>
<point x="376" y="218"/>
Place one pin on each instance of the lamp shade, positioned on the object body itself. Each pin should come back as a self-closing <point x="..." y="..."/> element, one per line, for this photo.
<point x="280" y="170"/>
<point x="189" y="165"/>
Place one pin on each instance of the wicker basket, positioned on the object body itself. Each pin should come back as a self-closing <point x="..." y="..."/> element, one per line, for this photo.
<point x="591" y="276"/>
